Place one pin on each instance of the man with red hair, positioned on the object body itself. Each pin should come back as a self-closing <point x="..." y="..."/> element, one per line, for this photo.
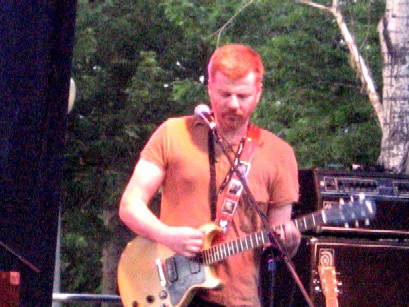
<point x="183" y="158"/>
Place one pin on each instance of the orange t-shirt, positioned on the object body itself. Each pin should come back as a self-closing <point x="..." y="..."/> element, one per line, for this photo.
<point x="180" y="147"/>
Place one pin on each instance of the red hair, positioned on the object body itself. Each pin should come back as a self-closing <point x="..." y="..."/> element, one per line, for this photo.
<point x="235" y="61"/>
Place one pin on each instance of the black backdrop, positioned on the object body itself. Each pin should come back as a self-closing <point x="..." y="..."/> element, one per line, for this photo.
<point x="36" y="40"/>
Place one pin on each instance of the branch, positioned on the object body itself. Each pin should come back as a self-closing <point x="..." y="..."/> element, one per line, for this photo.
<point x="220" y="31"/>
<point x="364" y="71"/>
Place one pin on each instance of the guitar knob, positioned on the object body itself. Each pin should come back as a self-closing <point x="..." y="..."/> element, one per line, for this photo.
<point x="163" y="295"/>
<point x="149" y="299"/>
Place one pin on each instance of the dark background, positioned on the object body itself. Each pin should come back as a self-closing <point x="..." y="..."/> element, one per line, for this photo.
<point x="36" y="41"/>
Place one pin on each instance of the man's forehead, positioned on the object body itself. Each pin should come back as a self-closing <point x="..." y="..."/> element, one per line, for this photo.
<point x="220" y="77"/>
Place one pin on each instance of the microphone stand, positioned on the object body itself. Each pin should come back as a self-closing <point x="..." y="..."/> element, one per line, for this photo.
<point x="273" y="237"/>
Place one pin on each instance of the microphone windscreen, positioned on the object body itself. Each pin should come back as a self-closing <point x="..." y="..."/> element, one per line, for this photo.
<point x="202" y="109"/>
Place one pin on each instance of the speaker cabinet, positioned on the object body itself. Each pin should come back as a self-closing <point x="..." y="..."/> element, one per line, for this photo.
<point x="366" y="273"/>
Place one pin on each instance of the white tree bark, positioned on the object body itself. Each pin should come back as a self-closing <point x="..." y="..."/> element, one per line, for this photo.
<point x="394" y="34"/>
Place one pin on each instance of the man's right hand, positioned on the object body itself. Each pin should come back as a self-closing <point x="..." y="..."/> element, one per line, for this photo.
<point x="185" y="241"/>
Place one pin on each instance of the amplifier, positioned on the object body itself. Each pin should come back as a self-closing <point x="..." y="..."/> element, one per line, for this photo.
<point x="9" y="288"/>
<point x="322" y="188"/>
<point x="363" y="273"/>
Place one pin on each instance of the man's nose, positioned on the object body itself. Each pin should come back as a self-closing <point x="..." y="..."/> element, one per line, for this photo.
<point x="233" y="102"/>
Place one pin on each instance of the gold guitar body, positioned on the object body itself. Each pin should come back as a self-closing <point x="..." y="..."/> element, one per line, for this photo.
<point x="150" y="274"/>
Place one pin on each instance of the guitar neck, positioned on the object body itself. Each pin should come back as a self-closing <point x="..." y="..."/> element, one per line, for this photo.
<point x="221" y="251"/>
<point x="308" y="221"/>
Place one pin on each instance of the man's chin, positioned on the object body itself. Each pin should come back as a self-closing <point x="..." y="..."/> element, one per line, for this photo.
<point x="233" y="124"/>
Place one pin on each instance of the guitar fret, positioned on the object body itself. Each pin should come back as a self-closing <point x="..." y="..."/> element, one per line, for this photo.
<point x="231" y="248"/>
<point x="219" y="251"/>
<point x="214" y="256"/>
<point x="204" y="257"/>
<point x="265" y="237"/>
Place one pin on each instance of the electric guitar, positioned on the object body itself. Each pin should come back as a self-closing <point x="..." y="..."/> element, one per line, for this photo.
<point x="150" y="274"/>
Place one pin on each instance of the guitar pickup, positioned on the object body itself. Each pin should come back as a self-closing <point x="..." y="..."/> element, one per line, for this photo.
<point x="194" y="266"/>
<point x="171" y="271"/>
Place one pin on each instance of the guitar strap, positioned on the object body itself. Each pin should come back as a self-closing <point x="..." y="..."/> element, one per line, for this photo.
<point x="231" y="189"/>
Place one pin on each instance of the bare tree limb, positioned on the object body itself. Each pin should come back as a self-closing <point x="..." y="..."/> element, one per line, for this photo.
<point x="362" y="68"/>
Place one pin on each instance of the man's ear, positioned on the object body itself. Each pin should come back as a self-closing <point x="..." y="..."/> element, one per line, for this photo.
<point x="260" y="91"/>
<point x="209" y="88"/>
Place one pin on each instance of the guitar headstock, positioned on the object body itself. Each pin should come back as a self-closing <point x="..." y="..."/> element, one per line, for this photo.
<point x="358" y="208"/>
<point x="329" y="284"/>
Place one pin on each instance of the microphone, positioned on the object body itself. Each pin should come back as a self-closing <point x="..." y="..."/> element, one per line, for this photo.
<point x="204" y="112"/>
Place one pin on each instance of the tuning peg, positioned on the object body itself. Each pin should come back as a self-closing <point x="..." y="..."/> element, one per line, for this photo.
<point x="361" y="197"/>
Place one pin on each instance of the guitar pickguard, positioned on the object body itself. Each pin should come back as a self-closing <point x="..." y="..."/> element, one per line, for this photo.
<point x="183" y="273"/>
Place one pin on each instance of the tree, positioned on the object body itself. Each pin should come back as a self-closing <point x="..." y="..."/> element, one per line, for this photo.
<point x="394" y="33"/>
<point x="392" y="111"/>
<point x="139" y="62"/>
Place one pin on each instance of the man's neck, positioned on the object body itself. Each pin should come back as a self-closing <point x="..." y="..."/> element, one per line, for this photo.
<point x="233" y="137"/>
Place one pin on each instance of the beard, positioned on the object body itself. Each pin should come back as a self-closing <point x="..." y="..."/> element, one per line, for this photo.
<point x="231" y="120"/>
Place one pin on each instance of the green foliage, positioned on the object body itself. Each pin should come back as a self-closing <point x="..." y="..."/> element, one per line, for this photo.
<point x="139" y="62"/>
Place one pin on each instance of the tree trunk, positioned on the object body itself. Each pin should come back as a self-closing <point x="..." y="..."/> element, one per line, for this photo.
<point x="112" y="250"/>
<point x="394" y="35"/>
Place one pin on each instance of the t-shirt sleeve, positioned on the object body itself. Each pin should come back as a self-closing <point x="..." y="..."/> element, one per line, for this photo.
<point x="285" y="188"/>
<point x="155" y="149"/>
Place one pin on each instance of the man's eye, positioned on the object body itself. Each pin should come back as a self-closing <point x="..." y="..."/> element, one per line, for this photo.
<point x="243" y="96"/>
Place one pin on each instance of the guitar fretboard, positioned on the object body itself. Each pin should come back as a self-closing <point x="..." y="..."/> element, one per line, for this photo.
<point x="221" y="251"/>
